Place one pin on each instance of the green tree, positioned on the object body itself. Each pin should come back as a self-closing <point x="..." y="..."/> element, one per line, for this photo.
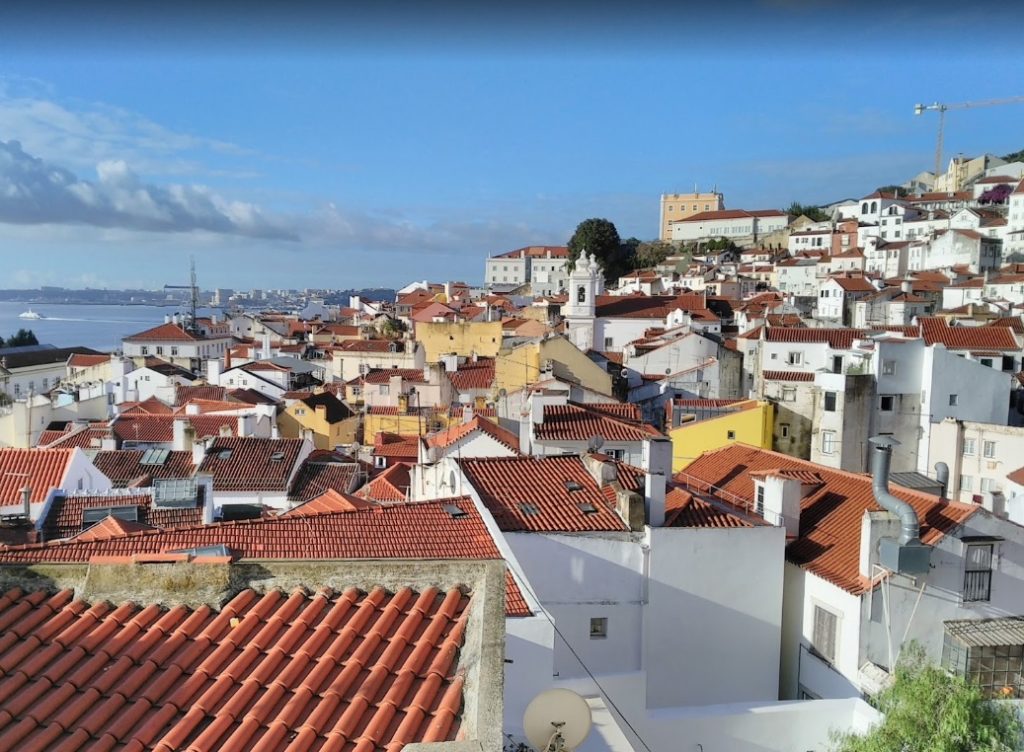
<point x="929" y="709"/>
<point x="814" y="213"/>
<point x="22" y="337"/>
<point x="896" y="190"/>
<point x="652" y="253"/>
<point x="1014" y="156"/>
<point x="600" y="238"/>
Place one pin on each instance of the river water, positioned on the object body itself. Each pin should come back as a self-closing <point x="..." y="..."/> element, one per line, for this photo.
<point x="98" y="326"/>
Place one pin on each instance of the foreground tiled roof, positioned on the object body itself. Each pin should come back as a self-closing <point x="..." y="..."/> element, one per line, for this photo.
<point x="531" y="493"/>
<point x="580" y="423"/>
<point x="938" y="330"/>
<point x="251" y="464"/>
<point x="830" y="514"/>
<point x="391" y="485"/>
<point x="39" y="469"/>
<point x="298" y="671"/>
<point x="65" y="515"/>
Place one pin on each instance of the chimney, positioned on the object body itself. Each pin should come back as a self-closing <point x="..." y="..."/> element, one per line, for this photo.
<point x="654" y="495"/>
<point x="245" y="425"/>
<point x="536" y="409"/>
<point x="906" y="555"/>
<point x="26" y="500"/>
<point x="777" y="499"/>
<point x="602" y="470"/>
<point x="227" y="358"/>
<point x="907" y="286"/>
<point x="167" y="318"/>
<point x="198" y="452"/>
<point x="942" y="476"/>
<point x="448" y="292"/>
<point x="191" y="409"/>
<point x="656" y="455"/>
<point x="184" y="435"/>
<point x="213" y="371"/>
<point x="204" y="494"/>
<point x="994" y="502"/>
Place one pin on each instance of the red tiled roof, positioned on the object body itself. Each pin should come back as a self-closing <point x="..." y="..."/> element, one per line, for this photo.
<point x="317" y="478"/>
<point x="150" y="406"/>
<point x="261" y="672"/>
<point x="244" y="463"/>
<point x="384" y="375"/>
<point x="683" y="509"/>
<point x="830" y="518"/>
<point x="1014" y="323"/>
<point x="367" y="345"/>
<point x="967" y="337"/>
<point x="1017" y="476"/>
<point x="853" y="284"/>
<point x="162" y="333"/>
<point x="111" y="527"/>
<point x="479" y="375"/>
<point x="159" y="429"/>
<point x="459" y="431"/>
<point x="390" y="485"/>
<point x="39" y="469"/>
<point x="393" y="445"/>
<point x="837" y="338"/>
<point x="328" y="502"/>
<point x="125" y="466"/>
<point x="618" y="410"/>
<point x="84" y="360"/>
<point x="708" y="216"/>
<point x="788" y="375"/>
<point x="85" y="437"/>
<point x="530" y="494"/>
<point x="183" y="394"/>
<point x="65" y="515"/>
<point x="537" y="251"/>
<point x="647" y="306"/>
<point x="704" y="404"/>
<point x="580" y="423"/>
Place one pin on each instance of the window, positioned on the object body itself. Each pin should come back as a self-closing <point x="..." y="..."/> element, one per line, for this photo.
<point x="995" y="669"/>
<point x="888" y="367"/>
<point x="830" y="402"/>
<point x="616" y="454"/>
<point x="759" y="500"/>
<point x="823" y="638"/>
<point x="986" y="484"/>
<point x="986" y="362"/>
<point x="828" y="442"/>
<point x="598" y="627"/>
<point x="795" y="358"/>
<point x="1008" y="362"/>
<point x="609" y="342"/>
<point x="784" y="430"/>
<point x="730" y="435"/>
<point x="174" y="350"/>
<point x="988" y="449"/>
<point x="968" y="447"/>
<point x="837" y="364"/>
<point x="384" y="389"/>
<point x="380" y="462"/>
<point x="977" y="572"/>
<point x="953" y="400"/>
<point x="966" y="483"/>
<point x="144" y="350"/>
<point x="788" y="394"/>
<point x="887" y="402"/>
<point x="159" y="349"/>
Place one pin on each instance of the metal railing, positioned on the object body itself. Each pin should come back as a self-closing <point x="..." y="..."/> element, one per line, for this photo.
<point x="711" y="493"/>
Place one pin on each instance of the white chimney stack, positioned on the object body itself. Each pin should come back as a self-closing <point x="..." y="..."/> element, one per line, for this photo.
<point x="654" y="497"/>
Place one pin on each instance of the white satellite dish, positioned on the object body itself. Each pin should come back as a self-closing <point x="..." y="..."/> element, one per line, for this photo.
<point x="557" y="720"/>
<point x="594" y="443"/>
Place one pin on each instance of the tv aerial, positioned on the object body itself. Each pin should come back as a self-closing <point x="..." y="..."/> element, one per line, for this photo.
<point x="557" y="720"/>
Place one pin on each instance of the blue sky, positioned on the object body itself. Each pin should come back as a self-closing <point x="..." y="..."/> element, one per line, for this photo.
<point x="326" y="149"/>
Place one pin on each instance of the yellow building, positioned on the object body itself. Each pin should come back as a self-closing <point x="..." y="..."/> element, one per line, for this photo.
<point x="406" y="421"/>
<point x="676" y="206"/>
<point x="696" y="426"/>
<point x="327" y="420"/>
<point x="519" y="366"/>
<point x="460" y="337"/>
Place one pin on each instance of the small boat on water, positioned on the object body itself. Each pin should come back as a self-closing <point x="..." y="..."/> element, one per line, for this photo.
<point x="30" y="314"/>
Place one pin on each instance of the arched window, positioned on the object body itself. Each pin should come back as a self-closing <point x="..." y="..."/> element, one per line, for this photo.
<point x="874" y="206"/>
<point x="864" y="208"/>
<point x="581" y="294"/>
<point x="892" y="210"/>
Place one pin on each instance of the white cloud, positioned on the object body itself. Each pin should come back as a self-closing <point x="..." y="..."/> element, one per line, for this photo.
<point x="33" y="191"/>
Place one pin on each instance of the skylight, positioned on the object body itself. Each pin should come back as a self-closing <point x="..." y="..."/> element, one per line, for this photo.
<point x="455" y="511"/>
<point x="528" y="509"/>
<point x="587" y="508"/>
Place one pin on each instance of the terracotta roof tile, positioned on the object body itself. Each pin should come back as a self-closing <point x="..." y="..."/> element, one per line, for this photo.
<point x="647" y="306"/>
<point x="316" y="478"/>
<point x="85" y="360"/>
<point x="38" y="469"/>
<point x="788" y="375"/>
<point x="125" y="466"/>
<point x="65" y="516"/>
<point x="384" y="375"/>
<point x="244" y="681"/>
<point x="162" y="333"/>
<point x="183" y="394"/>
<point x="537" y="251"/>
<point x="391" y="485"/>
<point x="251" y="464"/>
<point x="459" y="431"/>
<point x="1017" y="476"/>
<point x="830" y="518"/>
<point x="967" y="337"/>
<point x="397" y="447"/>
<point x="531" y="493"/>
<point x="469" y="375"/>
<point x="330" y="501"/>
<point x="159" y="429"/>
<point x="683" y="509"/>
<point x="581" y="422"/>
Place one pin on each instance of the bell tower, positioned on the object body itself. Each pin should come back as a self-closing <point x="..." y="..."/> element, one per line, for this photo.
<point x="585" y="283"/>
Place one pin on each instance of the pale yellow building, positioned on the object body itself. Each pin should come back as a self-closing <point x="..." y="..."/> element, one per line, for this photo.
<point x="323" y="418"/>
<point x="528" y="363"/>
<point x="460" y="337"/>
<point x="676" y="206"/>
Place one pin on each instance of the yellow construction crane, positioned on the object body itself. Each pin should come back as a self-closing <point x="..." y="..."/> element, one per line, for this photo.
<point x="941" y="109"/>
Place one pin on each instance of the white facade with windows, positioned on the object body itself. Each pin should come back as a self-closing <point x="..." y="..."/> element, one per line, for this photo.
<point x="544" y="268"/>
<point x="979" y="456"/>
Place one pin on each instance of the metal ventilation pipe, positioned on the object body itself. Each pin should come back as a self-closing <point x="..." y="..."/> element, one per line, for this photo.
<point x="881" y="458"/>
<point x="942" y="476"/>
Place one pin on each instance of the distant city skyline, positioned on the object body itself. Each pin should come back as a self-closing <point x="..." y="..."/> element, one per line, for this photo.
<point x="283" y="151"/>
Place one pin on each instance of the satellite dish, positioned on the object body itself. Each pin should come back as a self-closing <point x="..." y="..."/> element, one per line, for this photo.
<point x="557" y="720"/>
<point x="624" y="373"/>
<point x="503" y="392"/>
<point x="594" y="443"/>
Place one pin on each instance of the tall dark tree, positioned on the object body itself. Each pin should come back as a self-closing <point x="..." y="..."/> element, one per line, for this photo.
<point x="600" y="238"/>
<point x="813" y="213"/>
<point x="21" y="338"/>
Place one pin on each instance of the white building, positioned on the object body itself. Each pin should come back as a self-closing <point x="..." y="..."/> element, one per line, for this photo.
<point x="31" y="478"/>
<point x="170" y="341"/>
<point x="543" y="267"/>
<point x="949" y="248"/>
<point x="735" y="224"/>
<point x="836" y="296"/>
<point x="980" y="456"/>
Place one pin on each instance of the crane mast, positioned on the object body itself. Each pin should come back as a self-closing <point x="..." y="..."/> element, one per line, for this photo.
<point x="920" y="109"/>
<point x="193" y="289"/>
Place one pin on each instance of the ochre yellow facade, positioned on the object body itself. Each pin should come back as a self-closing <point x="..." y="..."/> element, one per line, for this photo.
<point x="459" y="337"/>
<point x="299" y="416"/>
<point x="751" y="426"/>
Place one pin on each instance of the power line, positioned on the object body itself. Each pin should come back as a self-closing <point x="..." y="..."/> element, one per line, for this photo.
<point x="586" y="668"/>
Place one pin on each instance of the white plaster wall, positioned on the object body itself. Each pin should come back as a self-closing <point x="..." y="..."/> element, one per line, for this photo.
<point x="774" y="356"/>
<point x="839" y="680"/>
<point x="708" y="617"/>
<point x="584" y="576"/>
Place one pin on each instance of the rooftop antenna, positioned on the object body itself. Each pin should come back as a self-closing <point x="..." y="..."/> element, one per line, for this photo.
<point x="193" y="289"/>
<point x="557" y="720"/>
